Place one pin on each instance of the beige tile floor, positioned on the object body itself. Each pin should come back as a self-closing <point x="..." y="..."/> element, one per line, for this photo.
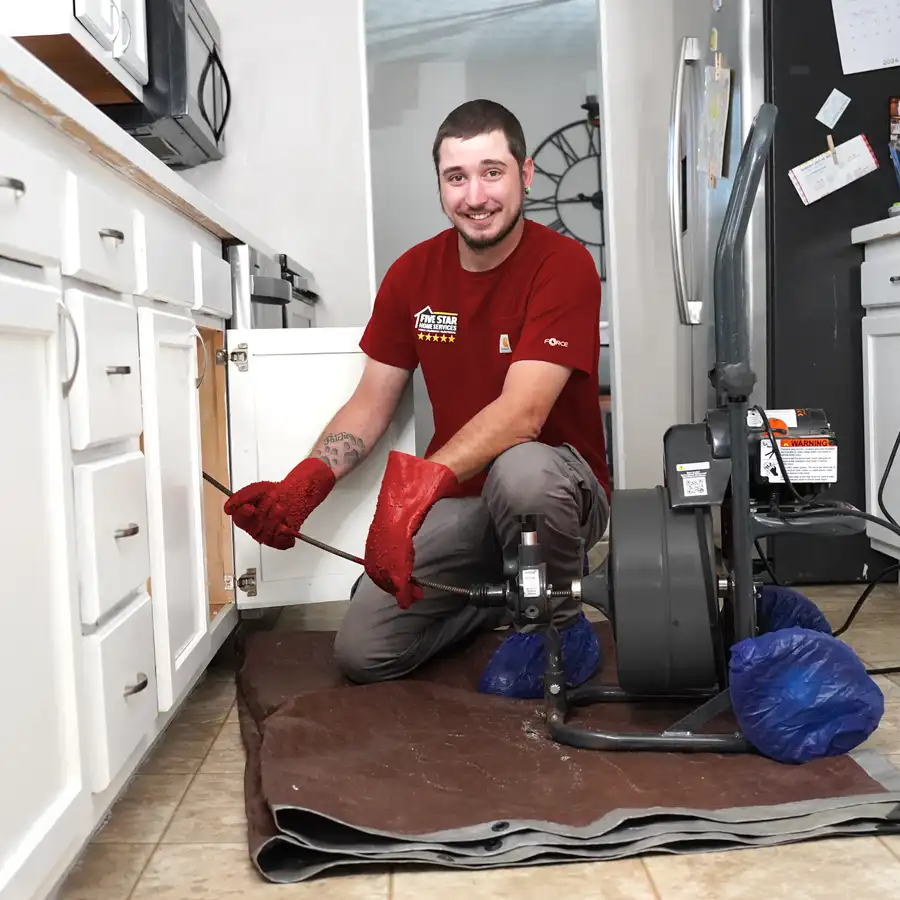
<point x="178" y="833"/>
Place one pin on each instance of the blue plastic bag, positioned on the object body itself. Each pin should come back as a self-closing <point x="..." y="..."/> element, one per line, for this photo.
<point x="781" y="607"/>
<point x="800" y="695"/>
<point x="517" y="667"/>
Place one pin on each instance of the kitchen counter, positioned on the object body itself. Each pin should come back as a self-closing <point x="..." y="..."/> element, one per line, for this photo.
<point x="27" y="81"/>
<point x="874" y="231"/>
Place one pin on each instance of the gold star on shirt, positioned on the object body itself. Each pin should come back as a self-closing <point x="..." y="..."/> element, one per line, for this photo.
<point x="451" y="338"/>
<point x="443" y="338"/>
<point x="421" y="336"/>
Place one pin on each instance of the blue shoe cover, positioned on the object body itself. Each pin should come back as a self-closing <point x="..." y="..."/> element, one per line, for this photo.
<point x="780" y="607"/>
<point x="800" y="695"/>
<point x="517" y="667"/>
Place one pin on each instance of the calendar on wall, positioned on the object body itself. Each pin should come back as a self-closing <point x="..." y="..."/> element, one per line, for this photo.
<point x="868" y="33"/>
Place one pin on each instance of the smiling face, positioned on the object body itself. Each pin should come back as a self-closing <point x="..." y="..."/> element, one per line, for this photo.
<point x="482" y="188"/>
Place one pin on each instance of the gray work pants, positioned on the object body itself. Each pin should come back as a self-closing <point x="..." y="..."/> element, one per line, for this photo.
<point x="462" y="541"/>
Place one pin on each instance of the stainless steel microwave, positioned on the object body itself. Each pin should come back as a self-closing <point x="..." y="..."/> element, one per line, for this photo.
<point x="187" y="100"/>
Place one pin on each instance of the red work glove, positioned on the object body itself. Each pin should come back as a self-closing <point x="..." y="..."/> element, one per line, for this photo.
<point x="410" y="487"/>
<point x="269" y="510"/>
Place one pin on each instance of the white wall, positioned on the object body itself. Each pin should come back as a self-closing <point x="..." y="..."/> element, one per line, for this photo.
<point x="408" y="100"/>
<point x="650" y="368"/>
<point x="297" y="163"/>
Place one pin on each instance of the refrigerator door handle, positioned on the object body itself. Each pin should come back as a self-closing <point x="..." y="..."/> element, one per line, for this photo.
<point x="688" y="313"/>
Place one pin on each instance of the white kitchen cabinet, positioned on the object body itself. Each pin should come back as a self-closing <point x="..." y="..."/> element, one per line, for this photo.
<point x="98" y="236"/>
<point x="880" y="282"/>
<point x="105" y="402"/>
<point x="31" y="192"/>
<point x="881" y="411"/>
<point x="113" y="554"/>
<point x="164" y="258"/>
<point x="102" y="18"/>
<point x="283" y="387"/>
<point x="172" y="448"/>
<point x="130" y="45"/>
<point x="120" y="682"/>
<point x="84" y="42"/>
<point x="45" y="800"/>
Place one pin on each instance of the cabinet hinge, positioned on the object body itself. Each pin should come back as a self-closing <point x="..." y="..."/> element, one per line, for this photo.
<point x="228" y="582"/>
<point x="247" y="582"/>
<point x="239" y="357"/>
<point x="221" y="357"/>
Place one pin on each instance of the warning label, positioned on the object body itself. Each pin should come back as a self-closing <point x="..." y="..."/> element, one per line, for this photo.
<point x="807" y="460"/>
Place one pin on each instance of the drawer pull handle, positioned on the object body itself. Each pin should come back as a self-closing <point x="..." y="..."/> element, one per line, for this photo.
<point x="14" y="184"/>
<point x="118" y="370"/>
<point x="130" y="531"/>
<point x="113" y="233"/>
<point x="140" y="685"/>
<point x="895" y="279"/>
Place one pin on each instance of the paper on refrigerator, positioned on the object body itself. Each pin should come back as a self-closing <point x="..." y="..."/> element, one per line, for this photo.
<point x="821" y="175"/>
<point x="717" y="105"/>
<point x="868" y="33"/>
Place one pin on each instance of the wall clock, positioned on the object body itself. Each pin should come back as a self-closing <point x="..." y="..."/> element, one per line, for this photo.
<point x="567" y="189"/>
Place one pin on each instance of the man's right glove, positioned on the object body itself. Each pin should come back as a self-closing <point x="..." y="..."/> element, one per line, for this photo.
<point x="269" y="510"/>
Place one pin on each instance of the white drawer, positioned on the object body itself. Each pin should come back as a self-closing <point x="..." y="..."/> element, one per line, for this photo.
<point x="111" y="514"/>
<point x="120" y="682"/>
<point x="105" y="401"/>
<point x="164" y="258"/>
<point x="99" y="236"/>
<point x="881" y="282"/>
<point x="31" y="203"/>
<point x="212" y="283"/>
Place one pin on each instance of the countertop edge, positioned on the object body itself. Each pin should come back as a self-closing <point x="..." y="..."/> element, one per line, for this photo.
<point x="28" y="82"/>
<point x="875" y="231"/>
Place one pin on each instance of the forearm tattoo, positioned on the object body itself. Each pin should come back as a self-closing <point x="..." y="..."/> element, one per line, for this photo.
<point x="342" y="451"/>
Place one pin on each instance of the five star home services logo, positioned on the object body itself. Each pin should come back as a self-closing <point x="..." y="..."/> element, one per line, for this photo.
<point x="436" y="326"/>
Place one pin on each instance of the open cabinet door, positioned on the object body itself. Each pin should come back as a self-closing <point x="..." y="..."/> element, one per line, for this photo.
<point x="284" y="387"/>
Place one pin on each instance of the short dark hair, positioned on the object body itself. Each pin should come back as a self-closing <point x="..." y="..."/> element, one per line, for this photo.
<point x="481" y="117"/>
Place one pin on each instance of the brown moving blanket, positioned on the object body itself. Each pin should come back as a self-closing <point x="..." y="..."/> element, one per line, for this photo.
<point x="427" y="770"/>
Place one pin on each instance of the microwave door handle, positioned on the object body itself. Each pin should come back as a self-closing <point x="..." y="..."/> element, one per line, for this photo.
<point x="200" y="89"/>
<point x="690" y="52"/>
<point x="227" y="85"/>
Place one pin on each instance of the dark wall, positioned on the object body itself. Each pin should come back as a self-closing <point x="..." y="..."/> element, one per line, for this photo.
<point x="815" y="342"/>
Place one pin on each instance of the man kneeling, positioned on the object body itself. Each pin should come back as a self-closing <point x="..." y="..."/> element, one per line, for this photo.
<point x="502" y="314"/>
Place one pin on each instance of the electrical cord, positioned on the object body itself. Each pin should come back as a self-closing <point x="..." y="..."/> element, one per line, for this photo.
<point x="418" y="582"/>
<point x="816" y="508"/>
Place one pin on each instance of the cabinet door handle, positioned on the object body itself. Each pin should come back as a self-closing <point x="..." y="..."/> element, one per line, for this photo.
<point x="114" y="233"/>
<point x="67" y="384"/>
<point x="118" y="370"/>
<point x="199" y="380"/>
<point x="130" y="531"/>
<point x="14" y="184"/>
<point x="127" y="21"/>
<point x="138" y="686"/>
<point x="895" y="279"/>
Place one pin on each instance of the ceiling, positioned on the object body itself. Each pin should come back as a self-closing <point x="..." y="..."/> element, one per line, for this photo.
<point x="479" y="29"/>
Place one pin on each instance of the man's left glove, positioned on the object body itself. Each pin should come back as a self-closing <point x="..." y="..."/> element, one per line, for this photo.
<point x="410" y="487"/>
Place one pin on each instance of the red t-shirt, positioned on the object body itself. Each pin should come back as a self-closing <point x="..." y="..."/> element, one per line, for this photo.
<point x="466" y="328"/>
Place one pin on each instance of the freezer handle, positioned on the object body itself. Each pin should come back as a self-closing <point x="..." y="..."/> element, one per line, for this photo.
<point x="688" y="313"/>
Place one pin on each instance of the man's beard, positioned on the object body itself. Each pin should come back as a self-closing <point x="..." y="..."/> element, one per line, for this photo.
<point x="487" y="243"/>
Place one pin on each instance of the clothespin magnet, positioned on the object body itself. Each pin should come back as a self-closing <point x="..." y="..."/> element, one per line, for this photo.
<point x="833" y="151"/>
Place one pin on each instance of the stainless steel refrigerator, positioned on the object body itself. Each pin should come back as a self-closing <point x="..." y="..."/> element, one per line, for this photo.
<point x="801" y="274"/>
